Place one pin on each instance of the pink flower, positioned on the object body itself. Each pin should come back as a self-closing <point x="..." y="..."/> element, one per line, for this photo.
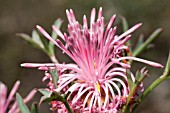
<point x="98" y="78"/>
<point x="6" y="103"/>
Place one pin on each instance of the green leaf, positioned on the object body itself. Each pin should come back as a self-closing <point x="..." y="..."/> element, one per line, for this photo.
<point x="124" y="23"/>
<point x="53" y="96"/>
<point x="45" y="43"/>
<point x="34" y="108"/>
<point x="130" y="82"/>
<point x="151" y="38"/>
<point x="36" y="38"/>
<point x="58" y="24"/>
<point x="140" y="75"/>
<point x="54" y="75"/>
<point x="44" y="92"/>
<point x="28" y="39"/>
<point x="21" y="104"/>
<point x="140" y="41"/>
<point x="46" y="95"/>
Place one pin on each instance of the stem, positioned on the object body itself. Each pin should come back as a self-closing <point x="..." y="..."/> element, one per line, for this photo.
<point x="67" y="106"/>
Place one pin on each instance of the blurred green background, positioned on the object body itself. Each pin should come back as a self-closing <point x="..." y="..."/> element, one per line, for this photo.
<point x="21" y="16"/>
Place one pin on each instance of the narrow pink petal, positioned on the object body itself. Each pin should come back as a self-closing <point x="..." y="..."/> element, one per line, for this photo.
<point x="128" y="32"/>
<point x="46" y="68"/>
<point x="105" y="88"/>
<point x="65" y="84"/>
<point x="73" y="88"/>
<point x="81" y="93"/>
<point x="30" y="96"/>
<point x="91" y="102"/>
<point x="111" y="90"/>
<point x="100" y="13"/>
<point x="3" y="94"/>
<point x="154" y="64"/>
<point x="14" y="108"/>
<point x="59" y="33"/>
<point x="115" y="85"/>
<point x="12" y="93"/>
<point x="111" y="22"/>
<point x="87" y="97"/>
<point x="123" y="84"/>
<point x="93" y="14"/>
<point x="68" y="16"/>
<point x="46" y="35"/>
<point x="72" y="16"/>
<point x="85" y="25"/>
<point x="35" y="65"/>
<point x="99" y="102"/>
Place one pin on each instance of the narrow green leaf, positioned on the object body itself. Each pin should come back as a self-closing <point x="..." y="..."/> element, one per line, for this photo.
<point x="140" y="75"/>
<point x="53" y="96"/>
<point x="124" y="23"/>
<point x="140" y="41"/>
<point x="34" y="108"/>
<point x="46" y="95"/>
<point x="44" y="92"/>
<point x="151" y="38"/>
<point x="130" y="82"/>
<point x="54" y="75"/>
<point x="21" y="104"/>
<point x="45" y="43"/>
<point x="30" y="41"/>
<point x="36" y="38"/>
<point x="58" y="24"/>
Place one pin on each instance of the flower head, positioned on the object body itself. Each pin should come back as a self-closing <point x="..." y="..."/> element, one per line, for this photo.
<point x="98" y="78"/>
<point x="6" y="103"/>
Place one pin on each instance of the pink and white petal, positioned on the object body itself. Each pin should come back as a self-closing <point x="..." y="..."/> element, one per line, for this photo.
<point x="143" y="61"/>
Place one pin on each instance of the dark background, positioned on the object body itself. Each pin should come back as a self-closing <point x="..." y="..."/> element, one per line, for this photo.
<point x="18" y="16"/>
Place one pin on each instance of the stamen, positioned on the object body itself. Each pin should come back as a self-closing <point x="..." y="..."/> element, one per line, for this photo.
<point x="128" y="51"/>
<point x="94" y="63"/>
<point x="98" y="87"/>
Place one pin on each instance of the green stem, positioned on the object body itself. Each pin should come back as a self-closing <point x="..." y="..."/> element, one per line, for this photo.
<point x="67" y="106"/>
